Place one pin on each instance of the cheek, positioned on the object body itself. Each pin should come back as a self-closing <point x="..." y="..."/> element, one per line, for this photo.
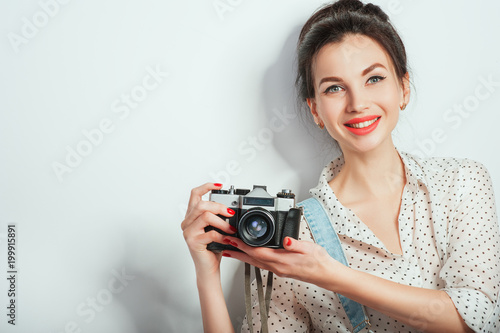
<point x="331" y="113"/>
<point x="389" y="97"/>
<point x="329" y="108"/>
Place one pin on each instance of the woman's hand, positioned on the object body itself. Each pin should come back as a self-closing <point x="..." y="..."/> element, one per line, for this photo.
<point x="201" y="214"/>
<point x="301" y="260"/>
<point x="311" y="263"/>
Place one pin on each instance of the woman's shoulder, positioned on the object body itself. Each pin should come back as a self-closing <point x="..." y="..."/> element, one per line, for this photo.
<point x="446" y="169"/>
<point x="444" y="164"/>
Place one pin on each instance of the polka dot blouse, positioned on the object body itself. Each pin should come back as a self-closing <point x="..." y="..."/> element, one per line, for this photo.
<point x="450" y="240"/>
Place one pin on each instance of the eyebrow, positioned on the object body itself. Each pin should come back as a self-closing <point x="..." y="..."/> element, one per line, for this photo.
<point x="365" y="71"/>
<point x="372" y="67"/>
<point x="330" y="79"/>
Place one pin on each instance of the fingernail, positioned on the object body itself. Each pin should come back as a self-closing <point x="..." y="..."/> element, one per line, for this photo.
<point x="288" y="241"/>
<point x="226" y="240"/>
<point x="230" y="211"/>
<point x="233" y="244"/>
<point x="233" y="229"/>
<point x="224" y="254"/>
<point x="217" y="184"/>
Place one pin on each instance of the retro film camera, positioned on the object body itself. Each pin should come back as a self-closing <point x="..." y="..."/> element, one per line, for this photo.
<point x="260" y="219"/>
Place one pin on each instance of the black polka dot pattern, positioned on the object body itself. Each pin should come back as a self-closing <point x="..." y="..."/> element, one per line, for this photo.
<point x="450" y="240"/>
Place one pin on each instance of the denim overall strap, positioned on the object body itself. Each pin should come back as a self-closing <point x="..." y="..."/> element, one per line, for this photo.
<point x="325" y="235"/>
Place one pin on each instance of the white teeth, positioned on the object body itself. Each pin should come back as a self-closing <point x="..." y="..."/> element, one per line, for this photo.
<point x="363" y="124"/>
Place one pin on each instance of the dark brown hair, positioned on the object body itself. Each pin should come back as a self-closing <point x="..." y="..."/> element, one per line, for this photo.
<point x="331" y="23"/>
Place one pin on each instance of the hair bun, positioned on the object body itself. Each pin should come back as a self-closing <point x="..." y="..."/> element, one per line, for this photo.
<point x="343" y="6"/>
<point x="371" y="9"/>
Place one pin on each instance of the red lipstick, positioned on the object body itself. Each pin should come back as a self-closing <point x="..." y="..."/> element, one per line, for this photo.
<point x="360" y="120"/>
<point x="368" y="123"/>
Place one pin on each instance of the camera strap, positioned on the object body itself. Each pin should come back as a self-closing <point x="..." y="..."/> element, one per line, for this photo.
<point x="263" y="300"/>
<point x="325" y="235"/>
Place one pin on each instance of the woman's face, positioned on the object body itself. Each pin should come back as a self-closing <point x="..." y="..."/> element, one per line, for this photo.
<point x="357" y="93"/>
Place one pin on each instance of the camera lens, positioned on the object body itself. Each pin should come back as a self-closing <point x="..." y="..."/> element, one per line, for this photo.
<point x="256" y="227"/>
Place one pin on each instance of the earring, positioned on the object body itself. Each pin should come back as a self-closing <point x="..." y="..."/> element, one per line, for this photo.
<point x="321" y="125"/>
<point x="403" y="107"/>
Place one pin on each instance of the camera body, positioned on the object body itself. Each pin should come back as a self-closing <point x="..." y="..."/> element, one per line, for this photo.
<point x="260" y="219"/>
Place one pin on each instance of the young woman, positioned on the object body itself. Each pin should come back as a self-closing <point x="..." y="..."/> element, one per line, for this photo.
<point x="421" y="235"/>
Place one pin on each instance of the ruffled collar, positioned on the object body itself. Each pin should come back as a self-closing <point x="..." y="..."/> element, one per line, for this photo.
<point x="344" y="219"/>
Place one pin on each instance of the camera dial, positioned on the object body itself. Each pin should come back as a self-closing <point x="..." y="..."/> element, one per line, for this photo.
<point x="285" y="193"/>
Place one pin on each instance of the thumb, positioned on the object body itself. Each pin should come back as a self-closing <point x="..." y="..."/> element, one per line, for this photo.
<point x="290" y="243"/>
<point x="295" y="245"/>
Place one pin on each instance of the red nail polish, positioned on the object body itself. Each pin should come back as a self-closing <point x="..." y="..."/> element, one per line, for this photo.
<point x="234" y="244"/>
<point x="233" y="229"/>
<point x="224" y="254"/>
<point x="226" y="240"/>
<point x="288" y="241"/>
<point x="230" y="211"/>
<point x="217" y="184"/>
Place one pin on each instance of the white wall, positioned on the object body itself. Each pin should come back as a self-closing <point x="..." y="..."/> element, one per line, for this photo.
<point x="117" y="210"/>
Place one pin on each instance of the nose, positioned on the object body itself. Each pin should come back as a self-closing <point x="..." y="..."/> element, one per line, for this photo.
<point x="358" y="100"/>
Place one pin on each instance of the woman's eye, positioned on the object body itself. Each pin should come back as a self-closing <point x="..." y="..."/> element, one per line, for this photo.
<point x="333" y="89"/>
<point x="375" y="79"/>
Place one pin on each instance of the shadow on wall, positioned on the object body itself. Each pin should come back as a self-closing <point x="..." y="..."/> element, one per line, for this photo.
<point x="300" y="143"/>
<point x="151" y="309"/>
<point x="305" y="147"/>
<point x="152" y="302"/>
<point x="236" y="298"/>
<point x="146" y="302"/>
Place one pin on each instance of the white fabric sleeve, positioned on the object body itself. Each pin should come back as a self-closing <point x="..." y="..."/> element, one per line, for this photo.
<point x="472" y="269"/>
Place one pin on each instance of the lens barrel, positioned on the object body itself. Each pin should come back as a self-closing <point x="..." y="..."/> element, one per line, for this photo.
<point x="256" y="227"/>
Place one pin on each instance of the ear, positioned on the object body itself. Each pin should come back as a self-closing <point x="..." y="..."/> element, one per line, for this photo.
<point x="311" y="102"/>
<point x="406" y="89"/>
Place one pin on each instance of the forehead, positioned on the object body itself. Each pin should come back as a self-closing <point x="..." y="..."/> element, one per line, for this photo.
<point x="350" y="56"/>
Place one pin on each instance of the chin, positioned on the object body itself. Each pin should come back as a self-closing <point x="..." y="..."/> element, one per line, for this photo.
<point x="367" y="145"/>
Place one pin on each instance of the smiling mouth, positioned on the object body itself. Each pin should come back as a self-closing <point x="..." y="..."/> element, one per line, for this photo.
<point x="363" y="124"/>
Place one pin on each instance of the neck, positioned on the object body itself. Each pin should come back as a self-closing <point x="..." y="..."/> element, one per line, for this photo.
<point x="378" y="172"/>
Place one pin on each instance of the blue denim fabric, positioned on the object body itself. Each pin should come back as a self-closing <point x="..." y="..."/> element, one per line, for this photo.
<point x="325" y="235"/>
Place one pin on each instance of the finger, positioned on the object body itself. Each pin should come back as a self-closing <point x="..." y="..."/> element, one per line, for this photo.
<point x="214" y="208"/>
<point x="201" y="208"/>
<point x="309" y="248"/>
<point x="258" y="253"/>
<point x="242" y="256"/>
<point x="245" y="257"/>
<point x="209" y="219"/>
<point x="284" y="263"/>
<point x="262" y="257"/>
<point x="294" y="245"/>
<point x="200" y="242"/>
<point x="200" y="191"/>
<point x="287" y="243"/>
